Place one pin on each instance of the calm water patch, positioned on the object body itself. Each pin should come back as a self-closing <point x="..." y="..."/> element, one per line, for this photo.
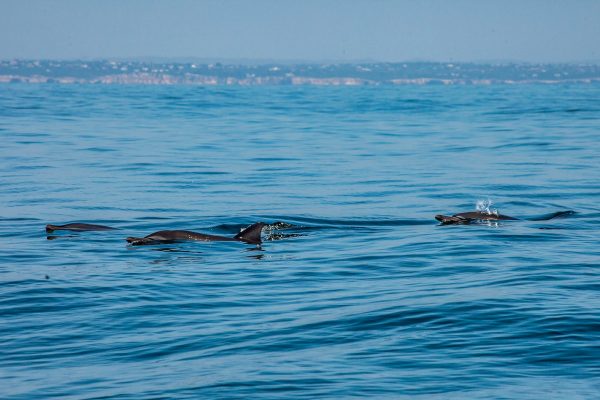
<point x="357" y="290"/>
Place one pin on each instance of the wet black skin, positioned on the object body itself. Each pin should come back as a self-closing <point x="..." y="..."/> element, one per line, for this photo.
<point x="77" y="227"/>
<point x="249" y="235"/>
<point x="468" y="217"/>
<point x="474" y="216"/>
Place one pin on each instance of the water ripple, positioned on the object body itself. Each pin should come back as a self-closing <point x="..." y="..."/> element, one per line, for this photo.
<point x="357" y="291"/>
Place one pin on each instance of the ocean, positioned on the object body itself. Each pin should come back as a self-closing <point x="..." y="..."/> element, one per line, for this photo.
<point x="356" y="292"/>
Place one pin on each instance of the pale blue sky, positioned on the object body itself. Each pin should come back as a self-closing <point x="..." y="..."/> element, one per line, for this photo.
<point x="307" y="30"/>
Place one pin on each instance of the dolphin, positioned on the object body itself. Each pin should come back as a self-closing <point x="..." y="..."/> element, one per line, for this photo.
<point x="473" y="216"/>
<point x="78" y="227"/>
<point x="249" y="235"/>
<point x="468" y="217"/>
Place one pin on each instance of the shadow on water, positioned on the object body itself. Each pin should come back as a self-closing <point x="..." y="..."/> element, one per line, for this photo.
<point x="60" y="237"/>
<point x="258" y="250"/>
<point x="174" y="250"/>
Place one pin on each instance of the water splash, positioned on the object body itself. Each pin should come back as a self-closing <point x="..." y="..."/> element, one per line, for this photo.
<point x="486" y="206"/>
<point x="279" y="225"/>
<point x="271" y="235"/>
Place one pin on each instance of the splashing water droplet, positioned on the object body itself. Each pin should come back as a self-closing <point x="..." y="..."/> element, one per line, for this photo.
<point x="485" y="206"/>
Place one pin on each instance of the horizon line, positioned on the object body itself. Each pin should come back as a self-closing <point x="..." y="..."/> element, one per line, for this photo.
<point x="291" y="61"/>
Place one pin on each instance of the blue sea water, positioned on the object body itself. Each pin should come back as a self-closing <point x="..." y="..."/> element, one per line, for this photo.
<point x="358" y="293"/>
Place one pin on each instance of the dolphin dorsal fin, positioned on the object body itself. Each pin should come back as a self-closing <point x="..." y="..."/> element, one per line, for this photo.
<point x="251" y="234"/>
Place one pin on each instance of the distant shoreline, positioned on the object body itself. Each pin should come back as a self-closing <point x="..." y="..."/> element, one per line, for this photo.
<point x="364" y="74"/>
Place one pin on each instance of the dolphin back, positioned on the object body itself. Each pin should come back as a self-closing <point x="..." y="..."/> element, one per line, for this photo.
<point x="135" y="241"/>
<point x="554" y="215"/>
<point x="468" y="217"/>
<point x="451" y="219"/>
<point x="480" y="215"/>
<point x="78" y="227"/>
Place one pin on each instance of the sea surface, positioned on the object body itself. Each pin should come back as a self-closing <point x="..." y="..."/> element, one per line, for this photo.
<point x="356" y="292"/>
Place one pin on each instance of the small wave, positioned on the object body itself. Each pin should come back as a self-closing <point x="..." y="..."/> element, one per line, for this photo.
<point x="315" y="222"/>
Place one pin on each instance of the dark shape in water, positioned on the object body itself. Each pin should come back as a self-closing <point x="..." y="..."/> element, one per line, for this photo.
<point x="473" y="216"/>
<point x="554" y="215"/>
<point x="249" y="235"/>
<point x="54" y="237"/>
<point x="468" y="217"/>
<point x="78" y="227"/>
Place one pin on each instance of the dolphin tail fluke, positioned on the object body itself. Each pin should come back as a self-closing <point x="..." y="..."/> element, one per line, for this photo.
<point x="251" y="234"/>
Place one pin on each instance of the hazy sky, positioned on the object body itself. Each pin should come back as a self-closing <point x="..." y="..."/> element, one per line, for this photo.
<point x="379" y="30"/>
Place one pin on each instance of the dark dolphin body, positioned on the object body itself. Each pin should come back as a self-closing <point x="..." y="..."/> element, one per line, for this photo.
<point x="474" y="216"/>
<point x="249" y="235"/>
<point x="468" y="217"/>
<point x="78" y="227"/>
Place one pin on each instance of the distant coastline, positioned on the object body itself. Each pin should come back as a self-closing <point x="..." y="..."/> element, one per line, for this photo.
<point x="410" y="73"/>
